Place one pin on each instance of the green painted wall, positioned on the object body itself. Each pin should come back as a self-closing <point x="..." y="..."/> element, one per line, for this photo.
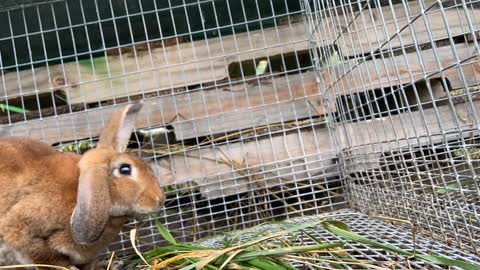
<point x="135" y="21"/>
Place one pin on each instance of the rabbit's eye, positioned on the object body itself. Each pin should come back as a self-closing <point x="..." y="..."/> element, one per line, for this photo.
<point x="125" y="169"/>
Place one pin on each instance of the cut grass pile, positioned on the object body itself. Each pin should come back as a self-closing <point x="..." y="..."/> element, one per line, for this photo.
<point x="278" y="245"/>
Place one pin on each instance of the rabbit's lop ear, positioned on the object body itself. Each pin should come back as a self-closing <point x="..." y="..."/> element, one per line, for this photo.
<point x="92" y="211"/>
<point x="117" y="133"/>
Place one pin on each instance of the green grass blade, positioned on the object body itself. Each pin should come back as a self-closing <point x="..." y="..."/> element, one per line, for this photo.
<point x="318" y="241"/>
<point x="190" y="266"/>
<point x="194" y="262"/>
<point x="298" y="227"/>
<point x="312" y="237"/>
<point x="164" y="251"/>
<point x="338" y="224"/>
<point x="286" y="265"/>
<point x="440" y="260"/>
<point x="165" y="233"/>
<point x="250" y="238"/>
<point x="287" y="250"/>
<point x="264" y="264"/>
<point x="456" y="186"/>
<point x="294" y="228"/>
<point x="360" y="239"/>
<point x="5" y="107"/>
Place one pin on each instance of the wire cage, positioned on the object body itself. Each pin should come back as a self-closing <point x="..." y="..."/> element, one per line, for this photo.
<point x="400" y="81"/>
<point x="261" y="110"/>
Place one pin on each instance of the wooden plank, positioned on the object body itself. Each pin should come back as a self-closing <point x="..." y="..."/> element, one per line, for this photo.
<point x="275" y="160"/>
<point x="173" y="108"/>
<point x="207" y="60"/>
<point x="207" y="168"/>
<point x="369" y="140"/>
<point x="382" y="134"/>
<point x="255" y="117"/>
<point x="365" y="31"/>
<point x="157" y="68"/>
<point x="398" y="70"/>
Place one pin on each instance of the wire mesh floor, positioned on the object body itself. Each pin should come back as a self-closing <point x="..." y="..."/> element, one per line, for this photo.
<point x="377" y="230"/>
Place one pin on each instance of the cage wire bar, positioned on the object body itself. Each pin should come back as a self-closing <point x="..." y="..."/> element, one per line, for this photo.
<point x="408" y="149"/>
<point x="367" y="105"/>
<point x="228" y="158"/>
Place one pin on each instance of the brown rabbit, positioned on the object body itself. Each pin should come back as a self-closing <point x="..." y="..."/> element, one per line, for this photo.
<point x="64" y="209"/>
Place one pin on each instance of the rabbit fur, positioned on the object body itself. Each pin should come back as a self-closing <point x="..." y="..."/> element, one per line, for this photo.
<point x="64" y="209"/>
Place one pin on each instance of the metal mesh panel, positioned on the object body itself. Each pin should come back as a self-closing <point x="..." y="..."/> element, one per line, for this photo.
<point x="235" y="145"/>
<point x="375" y="229"/>
<point x="402" y="87"/>
<point x="264" y="110"/>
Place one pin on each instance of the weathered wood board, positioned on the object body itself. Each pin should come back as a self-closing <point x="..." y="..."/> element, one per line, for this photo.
<point x="272" y="161"/>
<point x="182" y="108"/>
<point x="382" y="134"/>
<point x="250" y="118"/>
<point x="365" y="31"/>
<point x="284" y="100"/>
<point x="156" y="68"/>
<point x="216" y="178"/>
<point x="405" y="69"/>
<point x="207" y="60"/>
<point x="206" y="166"/>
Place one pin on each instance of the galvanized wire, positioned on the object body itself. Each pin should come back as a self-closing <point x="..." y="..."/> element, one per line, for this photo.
<point x="384" y="143"/>
<point x="406" y="151"/>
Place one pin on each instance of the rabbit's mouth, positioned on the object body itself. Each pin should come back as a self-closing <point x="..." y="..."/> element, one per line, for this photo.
<point x="149" y="203"/>
<point x="145" y="212"/>
<point x="133" y="211"/>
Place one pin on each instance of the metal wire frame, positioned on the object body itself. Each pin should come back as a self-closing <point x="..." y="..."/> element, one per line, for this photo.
<point x="401" y="159"/>
<point x="64" y="10"/>
<point x="376" y="229"/>
<point x="281" y="189"/>
<point x="284" y="186"/>
<point x="191" y="217"/>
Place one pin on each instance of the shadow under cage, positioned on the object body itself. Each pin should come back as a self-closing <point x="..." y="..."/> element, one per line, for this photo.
<point x="261" y="111"/>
